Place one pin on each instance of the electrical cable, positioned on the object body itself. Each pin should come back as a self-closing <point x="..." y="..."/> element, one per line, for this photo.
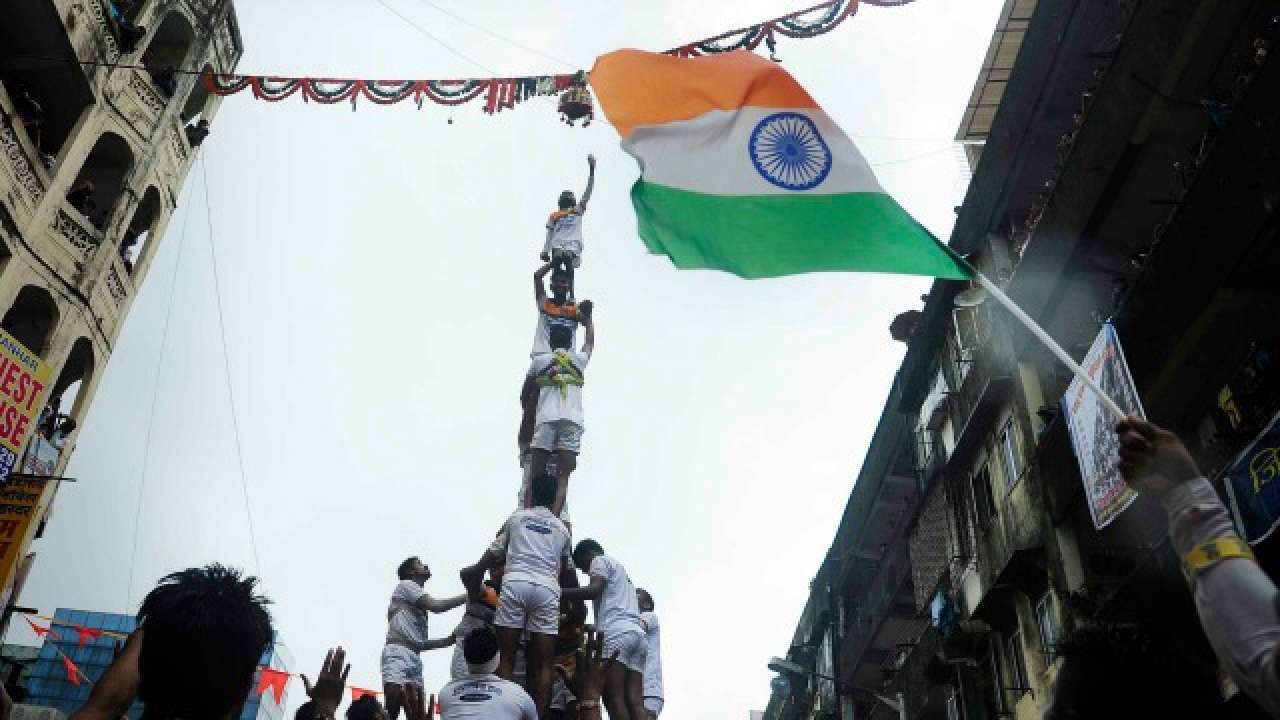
<point x="155" y="394"/>
<point x="501" y="37"/>
<point x="227" y="368"/>
<point x="438" y="41"/>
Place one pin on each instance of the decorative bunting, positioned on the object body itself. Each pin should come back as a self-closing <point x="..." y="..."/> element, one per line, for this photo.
<point x="274" y="679"/>
<point x="73" y="672"/>
<point x="42" y="631"/>
<point x="505" y="93"/>
<point x="86" y="633"/>
<point x="357" y="693"/>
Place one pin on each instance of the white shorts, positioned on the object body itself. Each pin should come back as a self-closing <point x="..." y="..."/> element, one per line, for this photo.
<point x="558" y="435"/>
<point x="632" y="648"/>
<point x="525" y="606"/>
<point x="401" y="666"/>
<point x="526" y="477"/>
<point x="653" y="705"/>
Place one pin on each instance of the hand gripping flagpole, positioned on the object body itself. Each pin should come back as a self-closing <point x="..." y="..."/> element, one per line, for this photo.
<point x="1044" y="338"/>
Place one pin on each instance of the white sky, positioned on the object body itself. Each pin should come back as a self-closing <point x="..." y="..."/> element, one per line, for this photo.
<point x="375" y="271"/>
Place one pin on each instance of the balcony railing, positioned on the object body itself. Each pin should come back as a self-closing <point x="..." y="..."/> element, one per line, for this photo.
<point x="923" y="699"/>
<point x="80" y="236"/>
<point x="881" y="600"/>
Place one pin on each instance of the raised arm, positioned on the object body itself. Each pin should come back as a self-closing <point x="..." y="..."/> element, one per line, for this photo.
<point x="592" y="591"/>
<point x="591" y="182"/>
<point x="437" y="643"/>
<point x="439" y="605"/>
<point x="539" y="287"/>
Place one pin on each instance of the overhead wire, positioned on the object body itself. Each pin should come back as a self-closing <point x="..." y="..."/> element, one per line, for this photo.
<point x="226" y="364"/>
<point x="155" y="394"/>
<point x="427" y="33"/>
<point x="500" y="36"/>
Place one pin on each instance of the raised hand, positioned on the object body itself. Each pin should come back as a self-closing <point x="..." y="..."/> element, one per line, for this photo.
<point x="591" y="162"/>
<point x="588" y="678"/>
<point x="331" y="683"/>
<point x="1152" y="458"/>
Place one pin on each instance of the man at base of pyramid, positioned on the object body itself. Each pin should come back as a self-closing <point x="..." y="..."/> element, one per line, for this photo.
<point x="653" y="694"/>
<point x="482" y="695"/>
<point x="563" y="246"/>
<point x="617" y="615"/>
<point x="407" y="631"/>
<point x="558" y="425"/>
<point x="535" y="547"/>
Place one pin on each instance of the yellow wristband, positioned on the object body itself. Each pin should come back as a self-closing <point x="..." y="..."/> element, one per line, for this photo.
<point x="1211" y="553"/>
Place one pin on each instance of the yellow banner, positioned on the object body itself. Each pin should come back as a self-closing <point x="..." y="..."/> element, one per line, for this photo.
<point x="22" y="503"/>
<point x="24" y="383"/>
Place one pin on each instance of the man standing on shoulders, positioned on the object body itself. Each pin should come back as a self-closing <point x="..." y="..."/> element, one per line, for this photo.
<point x="407" y="631"/>
<point x="535" y="545"/>
<point x="653" y="662"/>
<point x="558" y="425"/>
<point x="617" y="615"/>
<point x="482" y="695"/>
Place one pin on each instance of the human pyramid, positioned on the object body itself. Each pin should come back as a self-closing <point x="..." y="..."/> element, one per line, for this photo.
<point x="515" y="648"/>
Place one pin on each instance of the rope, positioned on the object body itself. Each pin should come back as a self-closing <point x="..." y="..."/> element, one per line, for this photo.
<point x="155" y="394"/>
<point x="226" y="364"/>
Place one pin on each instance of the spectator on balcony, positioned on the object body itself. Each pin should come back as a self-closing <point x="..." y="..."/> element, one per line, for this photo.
<point x="166" y="79"/>
<point x="197" y="132"/>
<point x="81" y="198"/>
<point x="60" y="436"/>
<point x="128" y="33"/>
<point x="1236" y="600"/>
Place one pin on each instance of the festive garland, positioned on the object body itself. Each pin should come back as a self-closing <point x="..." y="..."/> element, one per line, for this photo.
<point x="503" y="93"/>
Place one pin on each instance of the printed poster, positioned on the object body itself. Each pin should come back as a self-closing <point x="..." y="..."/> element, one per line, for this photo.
<point x="1093" y="427"/>
<point x="1253" y="484"/>
<point x="22" y="501"/>
<point x="24" y="383"/>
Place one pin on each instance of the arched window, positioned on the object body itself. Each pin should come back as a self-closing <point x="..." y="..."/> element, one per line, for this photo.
<point x="76" y="373"/>
<point x="197" y="100"/>
<point x="32" y="318"/>
<point x="97" y="187"/>
<point x="167" y="52"/>
<point x="48" y="96"/>
<point x="138" y="233"/>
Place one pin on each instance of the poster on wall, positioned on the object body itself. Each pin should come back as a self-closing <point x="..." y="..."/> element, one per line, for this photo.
<point x="20" y="505"/>
<point x="1253" y="484"/>
<point x="24" y="383"/>
<point x="1093" y="428"/>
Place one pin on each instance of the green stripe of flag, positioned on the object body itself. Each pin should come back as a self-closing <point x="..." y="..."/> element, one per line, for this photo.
<point x="757" y="236"/>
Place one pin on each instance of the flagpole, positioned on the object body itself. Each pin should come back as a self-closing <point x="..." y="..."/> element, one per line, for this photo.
<point x="1044" y="338"/>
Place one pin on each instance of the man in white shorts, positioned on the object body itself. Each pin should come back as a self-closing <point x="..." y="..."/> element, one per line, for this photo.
<point x="407" y="631"/>
<point x="482" y="695"/>
<point x="617" y="615"/>
<point x="558" y="425"/>
<point x="535" y="546"/>
<point x="653" y="663"/>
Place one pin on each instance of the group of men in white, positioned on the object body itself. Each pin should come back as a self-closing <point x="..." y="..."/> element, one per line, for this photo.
<point x="521" y="623"/>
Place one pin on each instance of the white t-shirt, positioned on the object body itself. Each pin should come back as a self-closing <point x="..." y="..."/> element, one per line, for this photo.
<point x="534" y="543"/>
<point x="653" y="662"/>
<point x="406" y="622"/>
<point x="542" y="333"/>
<point x="485" y="697"/>
<point x="616" y="610"/>
<point x="552" y="404"/>
<point x="566" y="231"/>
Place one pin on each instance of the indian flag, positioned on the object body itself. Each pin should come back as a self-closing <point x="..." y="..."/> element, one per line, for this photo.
<point x="741" y="171"/>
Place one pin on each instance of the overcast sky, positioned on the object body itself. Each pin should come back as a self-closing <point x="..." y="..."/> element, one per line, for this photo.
<point x="375" y="271"/>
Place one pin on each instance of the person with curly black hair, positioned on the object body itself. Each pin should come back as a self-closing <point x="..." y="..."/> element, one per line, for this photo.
<point x="201" y="634"/>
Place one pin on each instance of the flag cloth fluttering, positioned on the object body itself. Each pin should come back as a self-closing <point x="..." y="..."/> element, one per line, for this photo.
<point x="741" y="171"/>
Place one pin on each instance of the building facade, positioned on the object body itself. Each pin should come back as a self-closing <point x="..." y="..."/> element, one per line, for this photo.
<point x="1124" y="171"/>
<point x="47" y="684"/>
<point x="94" y="148"/>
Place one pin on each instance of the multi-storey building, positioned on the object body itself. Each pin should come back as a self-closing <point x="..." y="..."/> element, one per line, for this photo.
<point x="1124" y="170"/>
<point x="48" y="684"/>
<point x="96" y="97"/>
